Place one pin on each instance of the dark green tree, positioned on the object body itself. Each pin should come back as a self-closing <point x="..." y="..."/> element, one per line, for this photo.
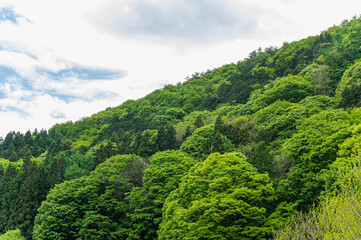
<point x="91" y="207"/>
<point x="56" y="168"/>
<point x="166" y="137"/>
<point x="29" y="197"/>
<point x="104" y="152"/>
<point x="9" y="194"/>
<point x="187" y="133"/>
<point x="219" y="125"/>
<point x="217" y="144"/>
<point x="350" y="87"/>
<point x="124" y="144"/>
<point x="199" y="122"/>
<point x="321" y="81"/>
<point x="262" y="159"/>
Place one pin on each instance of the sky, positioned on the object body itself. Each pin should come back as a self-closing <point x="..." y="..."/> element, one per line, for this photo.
<point x="62" y="60"/>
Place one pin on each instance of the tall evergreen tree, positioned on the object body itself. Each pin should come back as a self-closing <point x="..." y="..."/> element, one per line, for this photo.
<point x="124" y="144"/>
<point x="29" y="197"/>
<point x="217" y="144"/>
<point x="198" y="123"/>
<point x="187" y="133"/>
<point x="56" y="168"/>
<point x="219" y="126"/>
<point x="9" y="193"/>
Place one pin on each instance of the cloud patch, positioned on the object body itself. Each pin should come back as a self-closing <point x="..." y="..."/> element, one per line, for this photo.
<point x="186" y="20"/>
<point x="7" y="13"/>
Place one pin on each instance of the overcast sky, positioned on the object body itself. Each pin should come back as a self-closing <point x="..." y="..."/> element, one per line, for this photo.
<point x="62" y="60"/>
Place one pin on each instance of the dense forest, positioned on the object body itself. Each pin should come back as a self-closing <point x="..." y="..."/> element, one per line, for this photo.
<point x="265" y="148"/>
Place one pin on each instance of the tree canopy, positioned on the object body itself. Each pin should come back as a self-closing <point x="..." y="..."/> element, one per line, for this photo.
<point x="222" y="198"/>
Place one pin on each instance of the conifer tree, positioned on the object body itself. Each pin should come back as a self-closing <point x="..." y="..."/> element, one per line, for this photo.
<point x="217" y="143"/>
<point x="187" y="133"/>
<point x="162" y="138"/>
<point x="124" y="144"/>
<point x="219" y="126"/>
<point x="9" y="192"/>
<point x="57" y="167"/>
<point x="198" y="123"/>
<point x="29" y="200"/>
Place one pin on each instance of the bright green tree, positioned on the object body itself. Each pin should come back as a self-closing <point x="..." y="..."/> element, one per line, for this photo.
<point x="290" y="88"/>
<point x="163" y="176"/>
<point x="313" y="148"/>
<point x="223" y="197"/>
<point x="12" y="235"/>
<point x="199" y="144"/>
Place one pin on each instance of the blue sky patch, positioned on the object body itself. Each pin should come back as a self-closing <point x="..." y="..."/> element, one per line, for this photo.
<point x="6" y="73"/>
<point x="20" y="112"/>
<point x="7" y="14"/>
<point x="84" y="73"/>
<point x="58" y="115"/>
<point x="68" y="98"/>
<point x="105" y="95"/>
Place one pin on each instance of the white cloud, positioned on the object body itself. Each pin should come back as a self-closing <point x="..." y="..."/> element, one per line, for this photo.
<point x="191" y="21"/>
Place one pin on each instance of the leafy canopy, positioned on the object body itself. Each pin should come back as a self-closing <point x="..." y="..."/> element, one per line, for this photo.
<point x="222" y="198"/>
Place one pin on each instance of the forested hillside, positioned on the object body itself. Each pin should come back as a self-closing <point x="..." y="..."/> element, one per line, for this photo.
<point x="232" y="153"/>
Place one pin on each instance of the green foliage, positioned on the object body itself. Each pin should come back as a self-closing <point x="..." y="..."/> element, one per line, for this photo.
<point x="320" y="102"/>
<point x="29" y="197"/>
<point x="290" y="88"/>
<point x="347" y="155"/>
<point x="199" y="144"/>
<point x="160" y="178"/>
<point x="78" y="165"/>
<point x="222" y="198"/>
<point x="5" y="163"/>
<point x="321" y="81"/>
<point x="90" y="207"/>
<point x="262" y="159"/>
<point x="328" y="129"/>
<point x="9" y="194"/>
<point x="145" y="144"/>
<point x="350" y="86"/>
<point x="279" y="120"/>
<point x="336" y="217"/>
<point x="282" y="215"/>
<point x="12" y="235"/>
<point x="312" y="154"/>
<point x="198" y="123"/>
<point x="166" y="137"/>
